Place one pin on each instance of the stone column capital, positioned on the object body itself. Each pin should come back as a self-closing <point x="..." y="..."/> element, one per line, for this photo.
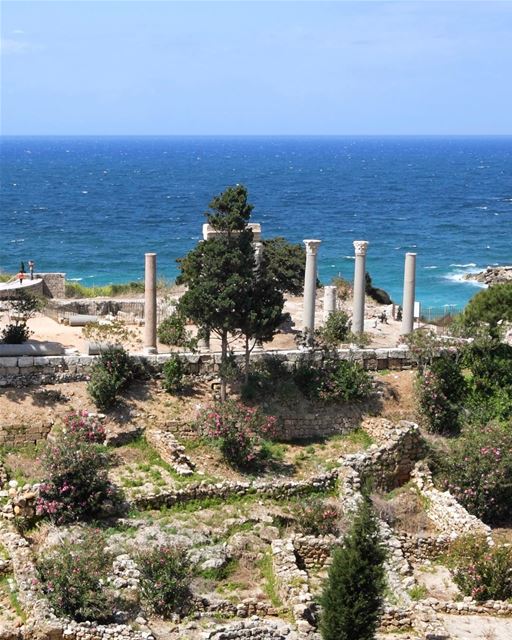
<point x="312" y="247"/>
<point x="360" y="247"/>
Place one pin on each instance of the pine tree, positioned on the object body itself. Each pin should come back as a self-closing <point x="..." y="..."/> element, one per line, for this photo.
<point x="353" y="593"/>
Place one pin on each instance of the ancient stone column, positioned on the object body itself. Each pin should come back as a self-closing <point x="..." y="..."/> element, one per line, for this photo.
<point x="329" y="300"/>
<point x="409" y="292"/>
<point x="150" y="304"/>
<point x="310" y="286"/>
<point x="258" y="253"/>
<point x="360" y="247"/>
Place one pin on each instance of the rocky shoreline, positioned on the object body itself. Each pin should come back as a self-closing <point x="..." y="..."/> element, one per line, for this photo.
<point x="492" y="275"/>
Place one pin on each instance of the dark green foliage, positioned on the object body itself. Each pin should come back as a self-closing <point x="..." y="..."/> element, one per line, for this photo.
<point x="22" y="307"/>
<point x="481" y="571"/>
<point x="266" y="377"/>
<point x="165" y="580"/>
<point x="73" y="577"/>
<point x="335" y="330"/>
<point x="441" y="393"/>
<point x="379" y="295"/>
<point x="111" y="373"/>
<point x="332" y="379"/>
<point x="76" y="485"/>
<point x="353" y="594"/>
<point x="15" y="334"/>
<point x="286" y="264"/>
<point x="173" y="331"/>
<point x="173" y="372"/>
<point x="489" y="306"/>
<point x="478" y="471"/>
<point x="229" y="211"/>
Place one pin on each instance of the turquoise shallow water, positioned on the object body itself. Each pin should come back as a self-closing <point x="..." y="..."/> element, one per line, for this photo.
<point x="92" y="206"/>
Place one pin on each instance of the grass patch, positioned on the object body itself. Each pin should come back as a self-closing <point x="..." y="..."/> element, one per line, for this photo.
<point x="269" y="580"/>
<point x="218" y="574"/>
<point x="418" y="592"/>
<point x="360" y="437"/>
<point x="78" y="290"/>
<point x="12" y="594"/>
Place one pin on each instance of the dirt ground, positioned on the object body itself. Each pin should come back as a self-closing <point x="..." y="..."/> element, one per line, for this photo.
<point x="45" y="329"/>
<point x="477" y="627"/>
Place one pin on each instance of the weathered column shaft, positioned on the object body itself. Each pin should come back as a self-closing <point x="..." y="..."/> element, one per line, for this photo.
<point x="150" y="303"/>
<point x="360" y="247"/>
<point x="310" y="285"/>
<point x="409" y="293"/>
<point x="329" y="300"/>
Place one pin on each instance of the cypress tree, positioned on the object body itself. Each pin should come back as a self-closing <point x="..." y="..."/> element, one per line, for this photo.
<point x="353" y="594"/>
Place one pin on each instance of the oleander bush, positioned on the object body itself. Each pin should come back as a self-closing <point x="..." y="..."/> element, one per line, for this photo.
<point x="109" y="375"/>
<point x="173" y="331"/>
<point x="481" y="571"/>
<point x="441" y="390"/>
<point x="318" y="517"/>
<point x="173" y="372"/>
<point x="478" y="471"/>
<point x="238" y="430"/>
<point x="74" y="578"/>
<point x="76" y="485"/>
<point x="87" y="426"/>
<point x="165" y="576"/>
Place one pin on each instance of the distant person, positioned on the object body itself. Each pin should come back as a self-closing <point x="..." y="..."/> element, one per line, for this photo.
<point x="399" y="314"/>
<point x="31" y="266"/>
<point x="384" y="317"/>
<point x="21" y="275"/>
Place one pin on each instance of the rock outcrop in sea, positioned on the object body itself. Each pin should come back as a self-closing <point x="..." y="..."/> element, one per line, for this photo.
<point x="492" y="275"/>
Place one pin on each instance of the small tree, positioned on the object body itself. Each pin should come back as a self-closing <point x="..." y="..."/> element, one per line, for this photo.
<point x="489" y="306"/>
<point x="286" y="264"/>
<point x="335" y="330"/>
<point x="353" y="594"/>
<point x="22" y="307"/>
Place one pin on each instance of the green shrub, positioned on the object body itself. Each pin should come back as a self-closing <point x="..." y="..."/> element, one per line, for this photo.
<point x="239" y="431"/>
<point x="489" y="306"/>
<point x="267" y="377"/>
<point x="173" y="331"/>
<point x="173" y="372"/>
<point x="332" y="380"/>
<point x="73" y="577"/>
<point x="15" y="334"/>
<point x="109" y="375"/>
<point x="335" y="330"/>
<point x="481" y="571"/>
<point x="76" y="485"/>
<point x="317" y="517"/>
<point x="441" y="390"/>
<point x="165" y="575"/>
<point x="478" y="471"/>
<point x="352" y="597"/>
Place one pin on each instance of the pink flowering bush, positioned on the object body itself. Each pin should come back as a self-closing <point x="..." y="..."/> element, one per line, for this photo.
<point x="89" y="427"/>
<point x="440" y="391"/>
<point x="239" y="430"/>
<point x="478" y="472"/>
<point x="165" y="575"/>
<point x="318" y="517"/>
<point x="76" y="485"/>
<point x="481" y="571"/>
<point x="73" y="577"/>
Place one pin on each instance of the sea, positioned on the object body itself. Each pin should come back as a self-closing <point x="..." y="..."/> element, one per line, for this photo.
<point x="92" y="206"/>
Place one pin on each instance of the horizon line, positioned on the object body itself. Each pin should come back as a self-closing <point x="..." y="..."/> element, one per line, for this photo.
<point x="255" y="135"/>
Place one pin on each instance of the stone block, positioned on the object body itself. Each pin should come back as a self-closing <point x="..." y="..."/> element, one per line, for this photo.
<point x="26" y="361"/>
<point x="8" y="362"/>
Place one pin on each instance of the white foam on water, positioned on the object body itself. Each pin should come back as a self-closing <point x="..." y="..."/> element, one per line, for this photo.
<point x="464" y="266"/>
<point x="431" y="267"/>
<point x="349" y="257"/>
<point x="75" y="279"/>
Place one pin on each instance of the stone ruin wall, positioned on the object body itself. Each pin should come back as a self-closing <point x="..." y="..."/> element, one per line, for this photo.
<point x="32" y="371"/>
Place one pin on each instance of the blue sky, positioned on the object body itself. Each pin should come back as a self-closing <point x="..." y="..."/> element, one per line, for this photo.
<point x="163" y="67"/>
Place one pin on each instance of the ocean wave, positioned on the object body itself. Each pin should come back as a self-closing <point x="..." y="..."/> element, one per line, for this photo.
<point x="75" y="279"/>
<point x="460" y="277"/>
<point x="431" y="267"/>
<point x="349" y="257"/>
<point x="464" y="266"/>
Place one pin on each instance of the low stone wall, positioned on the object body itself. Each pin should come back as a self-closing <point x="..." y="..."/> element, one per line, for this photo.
<point x="450" y="517"/>
<point x="27" y="371"/>
<point x="54" y="284"/>
<point x="171" y="451"/>
<point x="254" y="629"/>
<point x="418" y="548"/>
<point x="389" y="465"/>
<point x="312" y="552"/>
<point x="277" y="489"/>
